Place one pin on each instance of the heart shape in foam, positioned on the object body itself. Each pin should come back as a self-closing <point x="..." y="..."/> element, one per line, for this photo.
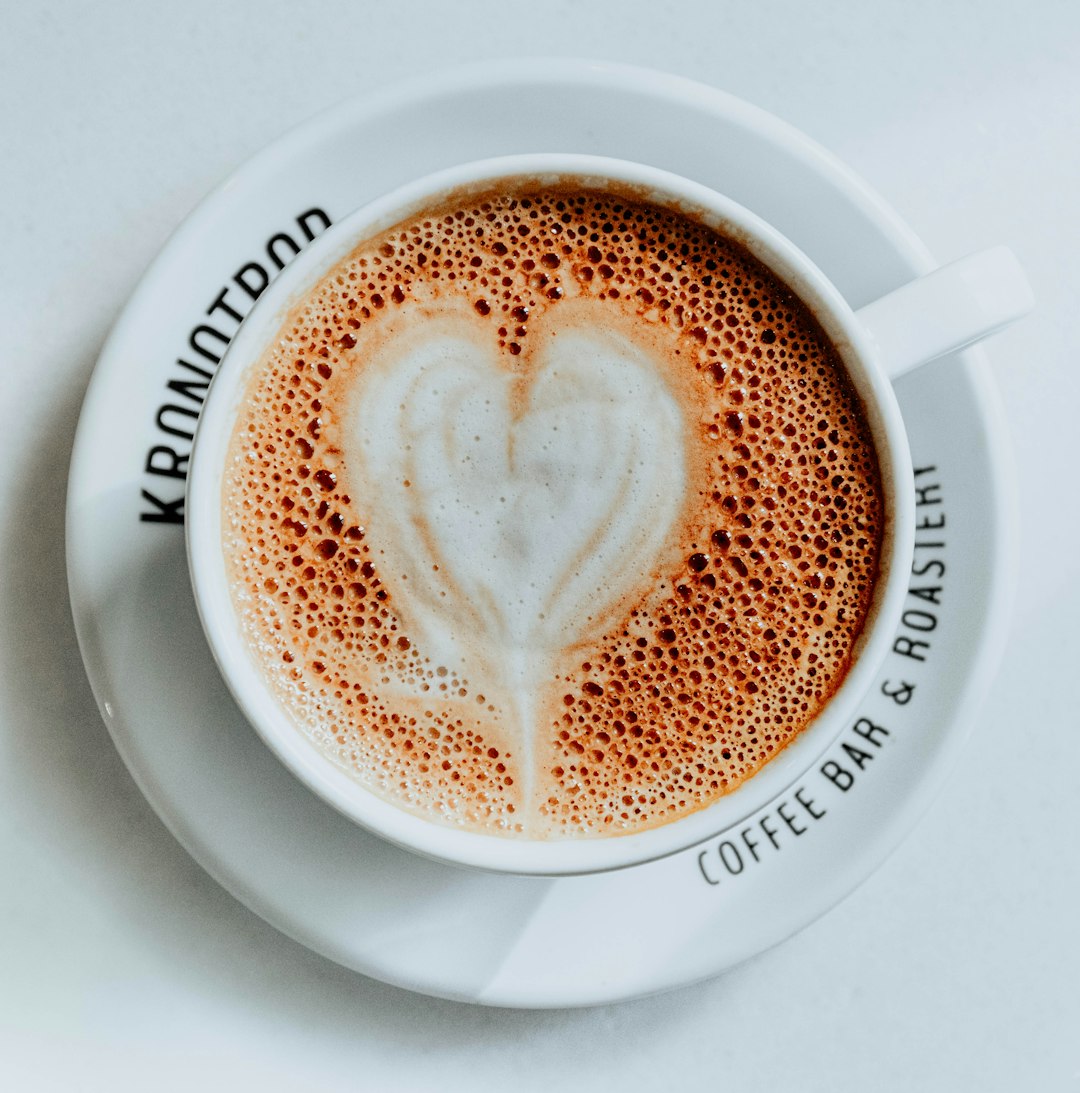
<point x="515" y="504"/>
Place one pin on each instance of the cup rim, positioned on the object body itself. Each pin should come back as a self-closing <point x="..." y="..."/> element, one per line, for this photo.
<point x="515" y="855"/>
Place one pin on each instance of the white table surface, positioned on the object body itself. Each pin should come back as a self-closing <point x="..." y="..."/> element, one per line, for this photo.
<point x="123" y="966"/>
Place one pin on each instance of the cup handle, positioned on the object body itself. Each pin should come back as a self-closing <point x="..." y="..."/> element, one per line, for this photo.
<point x="946" y="310"/>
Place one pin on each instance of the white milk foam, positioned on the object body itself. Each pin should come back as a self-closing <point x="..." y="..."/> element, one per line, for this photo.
<point x="517" y="508"/>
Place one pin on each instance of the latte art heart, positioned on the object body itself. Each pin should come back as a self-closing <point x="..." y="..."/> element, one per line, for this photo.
<point x="514" y="506"/>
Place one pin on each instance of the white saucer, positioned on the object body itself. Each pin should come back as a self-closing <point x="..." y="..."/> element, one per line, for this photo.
<point x="298" y="863"/>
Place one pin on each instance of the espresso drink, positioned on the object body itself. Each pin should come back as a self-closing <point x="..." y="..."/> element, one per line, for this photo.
<point x="552" y="513"/>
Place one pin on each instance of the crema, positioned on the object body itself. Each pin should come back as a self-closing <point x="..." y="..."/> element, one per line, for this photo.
<point x="552" y="513"/>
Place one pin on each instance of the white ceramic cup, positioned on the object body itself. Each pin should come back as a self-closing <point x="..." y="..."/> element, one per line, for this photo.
<point x="932" y="316"/>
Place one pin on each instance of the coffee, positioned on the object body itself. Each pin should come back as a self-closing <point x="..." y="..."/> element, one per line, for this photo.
<point x="551" y="512"/>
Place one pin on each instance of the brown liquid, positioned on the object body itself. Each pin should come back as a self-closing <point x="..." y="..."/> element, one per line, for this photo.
<point x="705" y="665"/>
